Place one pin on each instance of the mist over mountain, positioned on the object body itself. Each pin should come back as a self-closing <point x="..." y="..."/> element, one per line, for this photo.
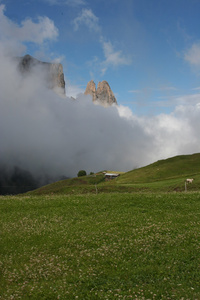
<point x="45" y="136"/>
<point x="52" y="72"/>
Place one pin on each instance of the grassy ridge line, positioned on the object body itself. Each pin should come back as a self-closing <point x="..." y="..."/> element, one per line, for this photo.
<point x="106" y="246"/>
<point x="178" y="166"/>
<point x="165" y="176"/>
<point x="70" y="186"/>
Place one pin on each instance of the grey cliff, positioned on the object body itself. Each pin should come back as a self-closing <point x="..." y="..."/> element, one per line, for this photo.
<point x="53" y="72"/>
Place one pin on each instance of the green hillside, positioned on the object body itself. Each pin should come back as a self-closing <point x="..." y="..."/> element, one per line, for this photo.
<point x="83" y="184"/>
<point x="175" y="167"/>
<point x="164" y="175"/>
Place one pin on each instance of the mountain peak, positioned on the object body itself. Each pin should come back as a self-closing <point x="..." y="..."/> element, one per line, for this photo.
<point x="103" y="94"/>
<point x="54" y="72"/>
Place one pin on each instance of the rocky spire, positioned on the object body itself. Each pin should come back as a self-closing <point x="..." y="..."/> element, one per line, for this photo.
<point x="103" y="94"/>
<point x="91" y="90"/>
<point x="54" y="72"/>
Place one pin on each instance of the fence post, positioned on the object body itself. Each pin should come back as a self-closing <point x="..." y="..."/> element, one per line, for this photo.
<point x="96" y="188"/>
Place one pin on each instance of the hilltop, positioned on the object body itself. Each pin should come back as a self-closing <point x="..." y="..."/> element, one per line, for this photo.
<point x="164" y="175"/>
<point x="175" y="167"/>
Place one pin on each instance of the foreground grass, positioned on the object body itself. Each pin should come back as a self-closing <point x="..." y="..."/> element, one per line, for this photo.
<point x="105" y="246"/>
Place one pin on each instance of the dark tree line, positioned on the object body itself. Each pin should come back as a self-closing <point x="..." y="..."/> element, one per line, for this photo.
<point x="16" y="181"/>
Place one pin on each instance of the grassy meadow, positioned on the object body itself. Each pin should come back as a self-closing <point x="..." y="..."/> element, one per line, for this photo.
<point x="100" y="246"/>
<point x="167" y="175"/>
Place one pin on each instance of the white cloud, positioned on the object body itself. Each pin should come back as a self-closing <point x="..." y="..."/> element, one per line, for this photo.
<point x="192" y="55"/>
<point x="72" y="90"/>
<point x="112" y="57"/>
<point x="37" y="32"/>
<point x="66" y="2"/>
<point x="27" y="31"/>
<point x="88" y="19"/>
<point x="196" y="89"/>
<point x="184" y="100"/>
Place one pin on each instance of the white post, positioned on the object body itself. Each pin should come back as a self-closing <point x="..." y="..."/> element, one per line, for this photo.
<point x="96" y="188"/>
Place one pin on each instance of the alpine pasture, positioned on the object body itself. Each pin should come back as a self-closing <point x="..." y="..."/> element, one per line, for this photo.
<point x="136" y="237"/>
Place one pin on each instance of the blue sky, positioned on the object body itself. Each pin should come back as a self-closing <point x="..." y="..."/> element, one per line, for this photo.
<point x="147" y="50"/>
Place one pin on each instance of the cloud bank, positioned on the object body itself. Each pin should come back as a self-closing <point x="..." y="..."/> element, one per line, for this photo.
<point x="28" y="30"/>
<point x="45" y="134"/>
<point x="51" y="136"/>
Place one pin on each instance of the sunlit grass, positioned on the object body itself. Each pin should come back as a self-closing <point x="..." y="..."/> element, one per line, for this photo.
<point x="104" y="246"/>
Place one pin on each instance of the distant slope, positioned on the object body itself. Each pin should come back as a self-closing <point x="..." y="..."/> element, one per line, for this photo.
<point x="81" y="184"/>
<point x="174" y="167"/>
<point x="162" y="176"/>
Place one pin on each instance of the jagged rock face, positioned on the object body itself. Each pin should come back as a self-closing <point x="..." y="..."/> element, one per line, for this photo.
<point x="103" y="94"/>
<point x="53" y="72"/>
<point x="91" y="90"/>
<point x="57" y="76"/>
